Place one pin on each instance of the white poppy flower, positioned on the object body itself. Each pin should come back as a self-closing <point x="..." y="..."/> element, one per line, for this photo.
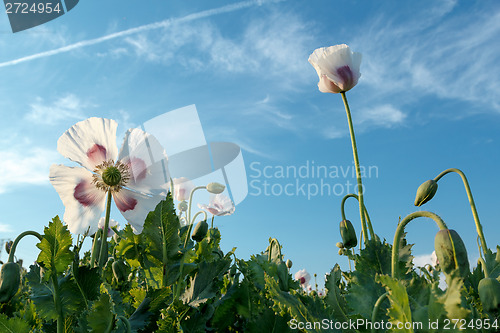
<point x="219" y="205"/>
<point x="136" y="183"/>
<point x="112" y="223"/>
<point x="182" y="188"/>
<point x="337" y="67"/>
<point x="303" y="277"/>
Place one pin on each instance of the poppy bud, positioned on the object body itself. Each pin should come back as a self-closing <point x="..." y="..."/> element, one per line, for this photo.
<point x="10" y="279"/>
<point x="289" y="263"/>
<point x="200" y="231"/>
<point x="348" y="234"/>
<point x="425" y="192"/>
<point x="451" y="252"/>
<point x="119" y="270"/>
<point x="339" y="245"/>
<point x="489" y="293"/>
<point x="215" y="188"/>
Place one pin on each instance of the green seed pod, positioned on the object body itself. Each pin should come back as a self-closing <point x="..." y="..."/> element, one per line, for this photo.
<point x="348" y="234"/>
<point x="489" y="293"/>
<point x="425" y="192"/>
<point x="200" y="231"/>
<point x="120" y="271"/>
<point x="451" y="252"/>
<point x="10" y="279"/>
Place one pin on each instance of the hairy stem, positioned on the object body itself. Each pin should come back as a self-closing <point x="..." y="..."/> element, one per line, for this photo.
<point x="400" y="230"/>
<point x="358" y="172"/>
<point x="479" y="227"/>
<point x="18" y="238"/>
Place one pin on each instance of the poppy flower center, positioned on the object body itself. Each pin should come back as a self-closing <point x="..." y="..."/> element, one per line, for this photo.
<point x="111" y="176"/>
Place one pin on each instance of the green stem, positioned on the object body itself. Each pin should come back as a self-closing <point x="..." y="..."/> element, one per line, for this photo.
<point x="103" y="255"/>
<point x="485" y="269"/>
<point x="93" y="253"/>
<point x="126" y="323"/>
<point x="358" y="172"/>
<point x="188" y="213"/>
<point x="342" y="211"/>
<point x="57" y="303"/>
<point x="479" y="227"/>
<point x="400" y="230"/>
<point x="376" y="307"/>
<point x="18" y="238"/>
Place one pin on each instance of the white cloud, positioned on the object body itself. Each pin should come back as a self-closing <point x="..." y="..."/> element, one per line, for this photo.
<point x="383" y="115"/>
<point x="66" y="107"/>
<point x="453" y="57"/>
<point x="263" y="47"/>
<point x="140" y="29"/>
<point x="25" y="166"/>
<point x="5" y="228"/>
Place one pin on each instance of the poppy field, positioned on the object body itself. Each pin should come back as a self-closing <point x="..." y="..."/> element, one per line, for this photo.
<point x="166" y="272"/>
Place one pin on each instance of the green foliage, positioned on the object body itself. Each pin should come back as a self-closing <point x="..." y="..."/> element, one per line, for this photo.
<point x="13" y="325"/>
<point x="55" y="255"/>
<point x="162" y="281"/>
<point x="399" y="312"/>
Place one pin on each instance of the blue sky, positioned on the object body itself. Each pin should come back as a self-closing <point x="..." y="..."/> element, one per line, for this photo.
<point x="427" y="100"/>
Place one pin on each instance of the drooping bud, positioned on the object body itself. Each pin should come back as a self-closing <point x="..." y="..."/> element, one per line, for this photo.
<point x="200" y="231"/>
<point x="119" y="271"/>
<point x="215" y="188"/>
<point x="489" y="293"/>
<point x="289" y="263"/>
<point x="111" y="176"/>
<point x="451" y="252"/>
<point x="348" y="234"/>
<point x="425" y="192"/>
<point x="339" y="245"/>
<point x="10" y="279"/>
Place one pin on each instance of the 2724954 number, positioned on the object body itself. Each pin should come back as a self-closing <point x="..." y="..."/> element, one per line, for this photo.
<point x="475" y="324"/>
<point x="25" y="8"/>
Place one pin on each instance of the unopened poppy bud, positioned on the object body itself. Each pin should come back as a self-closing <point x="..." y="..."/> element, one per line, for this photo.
<point x="289" y="263"/>
<point x="200" y="231"/>
<point x="489" y="293"/>
<point x="339" y="245"/>
<point x="341" y="252"/>
<point x="348" y="234"/>
<point x="215" y="188"/>
<point x="451" y="252"/>
<point x="425" y="192"/>
<point x="119" y="270"/>
<point x="182" y="206"/>
<point x="10" y="279"/>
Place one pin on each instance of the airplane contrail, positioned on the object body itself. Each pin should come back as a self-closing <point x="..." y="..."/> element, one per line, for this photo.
<point x="147" y="27"/>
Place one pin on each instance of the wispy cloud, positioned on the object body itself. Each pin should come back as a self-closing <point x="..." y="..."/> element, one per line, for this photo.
<point x="143" y="28"/>
<point x="25" y="165"/>
<point x="437" y="54"/>
<point x="383" y="115"/>
<point x="66" y="107"/>
<point x="262" y="47"/>
<point x="5" y="228"/>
